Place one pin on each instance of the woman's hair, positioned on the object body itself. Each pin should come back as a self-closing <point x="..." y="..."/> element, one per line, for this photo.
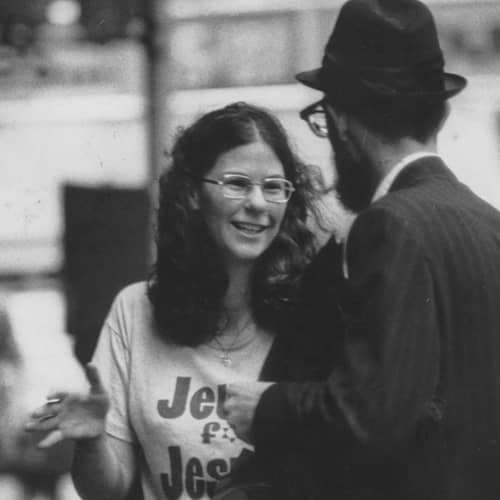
<point x="188" y="281"/>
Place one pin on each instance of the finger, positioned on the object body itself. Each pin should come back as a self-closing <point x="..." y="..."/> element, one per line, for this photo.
<point x="56" y="396"/>
<point x="47" y="410"/>
<point x="94" y="379"/>
<point x="53" y="408"/>
<point x="48" y="416"/>
<point x="227" y="414"/>
<point x="51" y="439"/>
<point x="39" y="412"/>
<point x="231" y="420"/>
<point x="53" y="400"/>
<point x="46" y="423"/>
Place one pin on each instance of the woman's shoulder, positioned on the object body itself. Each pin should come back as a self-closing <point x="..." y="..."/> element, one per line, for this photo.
<point x="133" y="293"/>
<point x="130" y="306"/>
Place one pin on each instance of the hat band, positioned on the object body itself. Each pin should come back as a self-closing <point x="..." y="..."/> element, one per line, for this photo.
<point x="419" y="79"/>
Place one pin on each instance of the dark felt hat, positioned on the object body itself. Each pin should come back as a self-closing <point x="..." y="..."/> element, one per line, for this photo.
<point x="384" y="48"/>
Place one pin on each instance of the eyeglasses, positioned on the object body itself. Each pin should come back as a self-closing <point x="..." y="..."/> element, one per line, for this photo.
<point x="315" y="116"/>
<point x="238" y="187"/>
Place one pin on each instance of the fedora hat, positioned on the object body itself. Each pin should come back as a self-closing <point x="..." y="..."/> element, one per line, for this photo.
<point x="384" y="48"/>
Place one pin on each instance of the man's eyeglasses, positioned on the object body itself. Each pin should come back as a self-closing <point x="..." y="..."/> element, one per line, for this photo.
<point x="315" y="116"/>
<point x="238" y="187"/>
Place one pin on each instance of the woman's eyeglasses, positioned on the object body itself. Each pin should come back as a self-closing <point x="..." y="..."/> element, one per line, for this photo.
<point x="238" y="187"/>
<point x="315" y="116"/>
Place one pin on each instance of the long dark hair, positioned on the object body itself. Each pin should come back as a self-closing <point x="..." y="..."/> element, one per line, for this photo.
<point x="188" y="282"/>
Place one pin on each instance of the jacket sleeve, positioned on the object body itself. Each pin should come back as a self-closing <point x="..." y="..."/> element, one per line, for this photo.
<point x="388" y="368"/>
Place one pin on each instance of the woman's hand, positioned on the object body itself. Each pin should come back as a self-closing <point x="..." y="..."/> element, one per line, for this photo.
<point x="72" y="416"/>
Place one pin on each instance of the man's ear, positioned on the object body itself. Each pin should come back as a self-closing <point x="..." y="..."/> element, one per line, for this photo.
<point x="446" y="114"/>
<point x="194" y="199"/>
<point x="340" y="121"/>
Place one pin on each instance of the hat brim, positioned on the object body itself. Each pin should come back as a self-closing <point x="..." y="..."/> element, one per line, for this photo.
<point x="311" y="79"/>
<point x="453" y="84"/>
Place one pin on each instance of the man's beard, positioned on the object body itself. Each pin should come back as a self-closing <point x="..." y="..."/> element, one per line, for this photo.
<point x="354" y="178"/>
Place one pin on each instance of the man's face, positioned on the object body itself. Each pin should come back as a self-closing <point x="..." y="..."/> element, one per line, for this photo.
<point x="354" y="178"/>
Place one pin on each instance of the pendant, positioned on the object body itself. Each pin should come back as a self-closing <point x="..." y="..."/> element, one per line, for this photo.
<point x="226" y="360"/>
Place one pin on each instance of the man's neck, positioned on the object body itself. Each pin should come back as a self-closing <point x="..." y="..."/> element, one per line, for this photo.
<point x="388" y="155"/>
<point x="396" y="162"/>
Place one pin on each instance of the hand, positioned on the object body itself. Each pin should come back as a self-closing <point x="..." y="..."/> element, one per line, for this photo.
<point x="72" y="416"/>
<point x="239" y="406"/>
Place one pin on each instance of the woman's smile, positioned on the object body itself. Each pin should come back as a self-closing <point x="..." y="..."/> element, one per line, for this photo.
<point x="249" y="228"/>
<point x="243" y="228"/>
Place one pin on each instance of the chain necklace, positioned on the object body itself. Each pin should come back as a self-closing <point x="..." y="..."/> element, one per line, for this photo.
<point x="224" y="357"/>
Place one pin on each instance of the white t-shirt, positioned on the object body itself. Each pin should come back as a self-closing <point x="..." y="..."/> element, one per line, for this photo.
<point x="168" y="398"/>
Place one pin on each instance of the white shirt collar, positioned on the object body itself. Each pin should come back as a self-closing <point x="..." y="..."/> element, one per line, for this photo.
<point x="386" y="183"/>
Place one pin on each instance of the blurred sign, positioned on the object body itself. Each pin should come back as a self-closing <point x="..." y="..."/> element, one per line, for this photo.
<point x="28" y="11"/>
<point x="116" y="66"/>
<point x="7" y="60"/>
<point x="108" y="19"/>
<point x="233" y="51"/>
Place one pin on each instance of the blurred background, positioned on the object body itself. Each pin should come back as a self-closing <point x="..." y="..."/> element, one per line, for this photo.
<point x="91" y="94"/>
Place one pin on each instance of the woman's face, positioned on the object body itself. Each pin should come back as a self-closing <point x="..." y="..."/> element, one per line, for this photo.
<point x="243" y="228"/>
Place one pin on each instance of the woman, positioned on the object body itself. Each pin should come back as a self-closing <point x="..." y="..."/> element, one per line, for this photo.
<point x="232" y="244"/>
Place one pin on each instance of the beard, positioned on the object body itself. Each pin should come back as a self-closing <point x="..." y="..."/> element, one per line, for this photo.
<point x="354" y="181"/>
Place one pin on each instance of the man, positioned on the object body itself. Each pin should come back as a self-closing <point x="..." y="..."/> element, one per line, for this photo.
<point x="411" y="408"/>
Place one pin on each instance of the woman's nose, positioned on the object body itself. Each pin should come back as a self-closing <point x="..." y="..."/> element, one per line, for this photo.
<point x="255" y="198"/>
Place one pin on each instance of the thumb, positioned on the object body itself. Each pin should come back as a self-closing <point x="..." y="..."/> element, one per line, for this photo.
<point x="94" y="379"/>
<point x="51" y="439"/>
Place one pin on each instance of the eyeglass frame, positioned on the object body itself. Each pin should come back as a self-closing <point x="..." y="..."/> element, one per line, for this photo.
<point x="289" y="190"/>
<point x="316" y="107"/>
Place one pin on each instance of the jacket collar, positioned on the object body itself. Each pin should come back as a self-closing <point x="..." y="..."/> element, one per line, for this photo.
<point x="425" y="168"/>
<point x="421" y="170"/>
<point x="386" y="183"/>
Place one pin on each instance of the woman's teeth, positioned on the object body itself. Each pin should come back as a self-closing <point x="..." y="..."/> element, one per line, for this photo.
<point x="249" y="228"/>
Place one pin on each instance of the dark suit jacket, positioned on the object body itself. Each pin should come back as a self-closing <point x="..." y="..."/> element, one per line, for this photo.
<point x="411" y="407"/>
<point x="293" y="357"/>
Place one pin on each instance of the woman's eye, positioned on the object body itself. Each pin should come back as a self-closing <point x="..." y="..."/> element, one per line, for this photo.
<point x="273" y="186"/>
<point x="237" y="183"/>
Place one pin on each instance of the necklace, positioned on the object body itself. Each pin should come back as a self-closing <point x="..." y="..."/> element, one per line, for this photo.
<point x="224" y="357"/>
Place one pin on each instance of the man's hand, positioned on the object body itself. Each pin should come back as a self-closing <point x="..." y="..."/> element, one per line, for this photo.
<point x="239" y="406"/>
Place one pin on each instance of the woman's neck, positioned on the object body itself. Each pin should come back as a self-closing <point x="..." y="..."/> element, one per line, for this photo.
<point x="237" y="301"/>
